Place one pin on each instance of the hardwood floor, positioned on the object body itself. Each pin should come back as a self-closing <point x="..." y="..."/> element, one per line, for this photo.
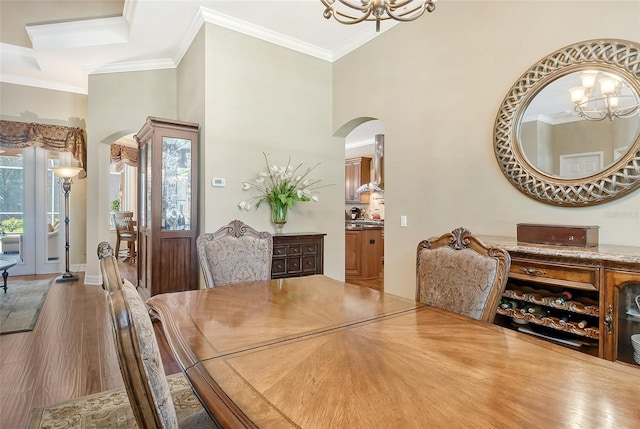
<point x="70" y="353"/>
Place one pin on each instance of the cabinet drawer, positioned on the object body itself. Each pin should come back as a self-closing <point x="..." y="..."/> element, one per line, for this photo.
<point x="279" y="250"/>
<point x="310" y="249"/>
<point x="294" y="265"/>
<point x="309" y="264"/>
<point x="570" y="276"/>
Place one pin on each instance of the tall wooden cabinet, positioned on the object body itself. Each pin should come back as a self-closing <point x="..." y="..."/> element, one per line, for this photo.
<point x="167" y="205"/>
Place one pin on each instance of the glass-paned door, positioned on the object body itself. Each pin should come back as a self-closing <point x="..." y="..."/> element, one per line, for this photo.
<point x="30" y="201"/>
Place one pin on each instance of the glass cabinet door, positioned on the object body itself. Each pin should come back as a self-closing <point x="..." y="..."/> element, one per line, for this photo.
<point x="176" y="184"/>
<point x="625" y="302"/>
<point x="629" y="322"/>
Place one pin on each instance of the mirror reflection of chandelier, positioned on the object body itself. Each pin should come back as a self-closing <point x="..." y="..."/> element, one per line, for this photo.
<point x="610" y="98"/>
<point x="352" y="12"/>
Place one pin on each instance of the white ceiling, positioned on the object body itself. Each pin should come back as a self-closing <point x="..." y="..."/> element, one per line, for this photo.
<point x="56" y="44"/>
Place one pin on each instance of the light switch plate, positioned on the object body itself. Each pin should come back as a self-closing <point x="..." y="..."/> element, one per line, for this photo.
<point x="217" y="182"/>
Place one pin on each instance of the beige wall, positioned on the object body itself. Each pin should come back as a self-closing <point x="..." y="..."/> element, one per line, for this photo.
<point x="29" y="104"/>
<point x="119" y="103"/>
<point x="260" y="97"/>
<point x="438" y="83"/>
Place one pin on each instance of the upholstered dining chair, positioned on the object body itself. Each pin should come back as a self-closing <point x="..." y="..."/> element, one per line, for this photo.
<point x="457" y="272"/>
<point x="125" y="231"/>
<point x="235" y="253"/>
<point x="139" y="355"/>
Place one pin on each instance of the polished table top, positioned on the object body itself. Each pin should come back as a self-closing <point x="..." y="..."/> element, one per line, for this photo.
<point x="312" y="352"/>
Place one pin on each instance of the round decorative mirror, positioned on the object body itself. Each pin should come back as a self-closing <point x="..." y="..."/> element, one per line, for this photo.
<point x="568" y="131"/>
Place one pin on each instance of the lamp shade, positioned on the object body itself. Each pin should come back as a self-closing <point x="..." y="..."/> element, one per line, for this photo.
<point x="67" y="172"/>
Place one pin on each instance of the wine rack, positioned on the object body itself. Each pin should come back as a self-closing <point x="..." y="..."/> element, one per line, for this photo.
<point x="581" y="305"/>
<point x="583" y="299"/>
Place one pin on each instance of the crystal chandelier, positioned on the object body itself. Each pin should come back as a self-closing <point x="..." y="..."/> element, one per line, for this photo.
<point x="352" y="12"/>
<point x="611" y="99"/>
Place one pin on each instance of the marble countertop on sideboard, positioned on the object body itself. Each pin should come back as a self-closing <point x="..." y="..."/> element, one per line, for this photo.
<point x="607" y="252"/>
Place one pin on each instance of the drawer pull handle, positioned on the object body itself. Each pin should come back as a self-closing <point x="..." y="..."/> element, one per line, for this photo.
<point x="533" y="272"/>
<point x="608" y="320"/>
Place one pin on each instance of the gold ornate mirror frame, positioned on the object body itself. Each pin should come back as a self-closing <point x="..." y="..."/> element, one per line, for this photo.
<point x="623" y="176"/>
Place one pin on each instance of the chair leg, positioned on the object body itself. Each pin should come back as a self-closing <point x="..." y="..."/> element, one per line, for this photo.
<point x="117" y="248"/>
<point x="132" y="251"/>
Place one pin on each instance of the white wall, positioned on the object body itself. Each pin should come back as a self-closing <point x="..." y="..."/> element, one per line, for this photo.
<point x="437" y="84"/>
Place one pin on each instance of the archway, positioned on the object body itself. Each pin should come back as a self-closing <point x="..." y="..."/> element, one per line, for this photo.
<point x="364" y="210"/>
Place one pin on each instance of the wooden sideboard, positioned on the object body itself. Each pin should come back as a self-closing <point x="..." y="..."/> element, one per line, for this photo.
<point x="582" y="298"/>
<point x="296" y="255"/>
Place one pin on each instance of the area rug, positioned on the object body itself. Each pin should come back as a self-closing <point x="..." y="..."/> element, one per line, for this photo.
<point x="109" y="409"/>
<point x="20" y="305"/>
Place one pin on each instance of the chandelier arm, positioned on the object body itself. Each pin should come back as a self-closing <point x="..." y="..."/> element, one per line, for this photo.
<point x="611" y="113"/>
<point x="389" y="9"/>
<point x="411" y="14"/>
<point x="343" y="17"/>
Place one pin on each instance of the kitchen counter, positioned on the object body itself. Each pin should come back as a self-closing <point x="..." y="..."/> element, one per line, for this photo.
<point x="360" y="224"/>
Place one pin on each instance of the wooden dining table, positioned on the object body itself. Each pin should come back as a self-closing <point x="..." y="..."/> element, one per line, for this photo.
<point x="313" y="352"/>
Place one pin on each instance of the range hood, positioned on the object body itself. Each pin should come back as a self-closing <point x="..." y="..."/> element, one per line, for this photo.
<point x="377" y="184"/>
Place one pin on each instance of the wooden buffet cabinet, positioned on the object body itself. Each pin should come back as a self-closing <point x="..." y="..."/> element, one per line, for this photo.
<point x="296" y="255"/>
<point x="582" y="298"/>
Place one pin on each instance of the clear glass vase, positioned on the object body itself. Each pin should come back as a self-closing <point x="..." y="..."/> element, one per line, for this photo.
<point x="278" y="215"/>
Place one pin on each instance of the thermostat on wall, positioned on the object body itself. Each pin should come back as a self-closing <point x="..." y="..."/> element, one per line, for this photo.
<point x="217" y="182"/>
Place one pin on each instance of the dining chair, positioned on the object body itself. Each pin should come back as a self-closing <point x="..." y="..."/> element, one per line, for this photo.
<point x="139" y="355"/>
<point x="457" y="272"/>
<point x="125" y="231"/>
<point x="235" y="253"/>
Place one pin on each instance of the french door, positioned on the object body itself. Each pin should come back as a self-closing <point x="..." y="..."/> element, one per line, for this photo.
<point x="32" y="226"/>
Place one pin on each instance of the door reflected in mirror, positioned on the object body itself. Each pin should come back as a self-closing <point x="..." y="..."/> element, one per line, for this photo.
<point x="580" y="124"/>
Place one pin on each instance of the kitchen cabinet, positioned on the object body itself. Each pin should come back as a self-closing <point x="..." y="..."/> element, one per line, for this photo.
<point x="357" y="172"/>
<point x="296" y="255"/>
<point x="167" y="206"/>
<point x="363" y="253"/>
<point x="583" y="299"/>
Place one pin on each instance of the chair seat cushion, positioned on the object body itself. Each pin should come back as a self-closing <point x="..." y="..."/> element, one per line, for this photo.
<point x="111" y="409"/>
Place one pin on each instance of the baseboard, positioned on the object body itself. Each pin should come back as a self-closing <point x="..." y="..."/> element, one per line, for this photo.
<point x="92" y="280"/>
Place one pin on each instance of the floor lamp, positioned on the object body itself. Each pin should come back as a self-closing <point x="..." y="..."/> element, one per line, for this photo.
<point x="66" y="174"/>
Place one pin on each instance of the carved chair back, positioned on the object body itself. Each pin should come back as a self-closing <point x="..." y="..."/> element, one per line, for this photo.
<point x="137" y="348"/>
<point x="235" y="253"/>
<point x="459" y="273"/>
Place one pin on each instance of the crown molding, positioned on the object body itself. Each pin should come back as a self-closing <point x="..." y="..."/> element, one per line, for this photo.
<point x="189" y="36"/>
<point x="39" y="83"/>
<point x="18" y="56"/>
<point x="132" y="66"/>
<point x="262" y="33"/>
<point x="79" y="34"/>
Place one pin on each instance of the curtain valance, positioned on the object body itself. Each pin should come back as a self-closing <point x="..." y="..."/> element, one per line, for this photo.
<point x="58" y="138"/>
<point x="126" y="154"/>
